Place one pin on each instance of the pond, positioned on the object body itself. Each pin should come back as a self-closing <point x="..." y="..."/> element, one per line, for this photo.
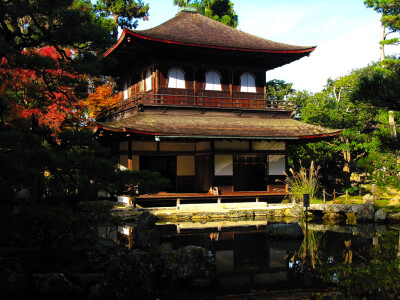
<point x="330" y="262"/>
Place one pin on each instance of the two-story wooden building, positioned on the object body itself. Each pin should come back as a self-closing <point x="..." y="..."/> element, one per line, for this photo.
<point x="193" y="106"/>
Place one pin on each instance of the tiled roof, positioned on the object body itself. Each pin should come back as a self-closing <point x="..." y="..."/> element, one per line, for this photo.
<point x="191" y="123"/>
<point x="194" y="29"/>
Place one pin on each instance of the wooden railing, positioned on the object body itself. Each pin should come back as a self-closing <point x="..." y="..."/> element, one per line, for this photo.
<point x="185" y="97"/>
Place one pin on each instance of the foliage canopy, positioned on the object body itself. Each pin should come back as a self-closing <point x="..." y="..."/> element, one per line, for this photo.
<point x="218" y="10"/>
<point x="49" y="49"/>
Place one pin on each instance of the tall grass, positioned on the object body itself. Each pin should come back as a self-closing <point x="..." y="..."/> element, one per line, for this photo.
<point x="303" y="182"/>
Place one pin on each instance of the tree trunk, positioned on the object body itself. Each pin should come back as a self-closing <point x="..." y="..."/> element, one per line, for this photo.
<point x="346" y="163"/>
<point x="392" y="124"/>
<point x="383" y="46"/>
<point x="115" y="29"/>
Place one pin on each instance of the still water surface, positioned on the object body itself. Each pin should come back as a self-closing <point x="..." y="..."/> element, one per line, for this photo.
<point x="330" y="262"/>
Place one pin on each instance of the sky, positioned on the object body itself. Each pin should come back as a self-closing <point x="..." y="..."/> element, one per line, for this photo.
<point x="346" y="34"/>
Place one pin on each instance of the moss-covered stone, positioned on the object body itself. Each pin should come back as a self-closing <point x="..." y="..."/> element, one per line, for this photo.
<point x="351" y="219"/>
<point x="261" y="213"/>
<point x="393" y="218"/>
<point x="200" y="217"/>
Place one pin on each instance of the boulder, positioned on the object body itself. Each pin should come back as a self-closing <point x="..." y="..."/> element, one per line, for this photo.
<point x="129" y="275"/>
<point x="14" y="280"/>
<point x="393" y="218"/>
<point x="368" y="198"/>
<point x="55" y="285"/>
<point x="365" y="212"/>
<point x="381" y="215"/>
<point x="87" y="280"/>
<point x="147" y="220"/>
<point x="145" y="235"/>
<point x="23" y="194"/>
<point x="165" y="261"/>
<point x="381" y="228"/>
<point x="196" y="266"/>
<point x="334" y="216"/>
<point x="366" y="230"/>
<point x="285" y="231"/>
<point x="101" y="249"/>
<point x="296" y="211"/>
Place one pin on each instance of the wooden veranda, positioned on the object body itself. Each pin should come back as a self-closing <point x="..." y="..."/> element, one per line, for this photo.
<point x="275" y="194"/>
<point x="203" y="99"/>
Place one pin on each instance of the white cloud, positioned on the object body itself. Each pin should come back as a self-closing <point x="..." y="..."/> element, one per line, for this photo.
<point x="346" y="34"/>
<point x="333" y="58"/>
<point x="270" y="23"/>
<point x="347" y="45"/>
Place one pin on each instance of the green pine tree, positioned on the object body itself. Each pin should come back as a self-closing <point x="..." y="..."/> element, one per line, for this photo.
<point x="218" y="10"/>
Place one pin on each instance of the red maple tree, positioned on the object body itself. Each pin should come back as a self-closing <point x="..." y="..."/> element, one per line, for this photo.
<point x="101" y="100"/>
<point x="48" y="93"/>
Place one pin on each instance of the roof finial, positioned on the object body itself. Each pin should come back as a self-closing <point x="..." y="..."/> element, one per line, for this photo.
<point x="187" y="7"/>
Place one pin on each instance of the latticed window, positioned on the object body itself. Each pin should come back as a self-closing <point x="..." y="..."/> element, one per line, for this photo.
<point x="176" y="79"/>
<point x="247" y="83"/>
<point x="213" y="81"/>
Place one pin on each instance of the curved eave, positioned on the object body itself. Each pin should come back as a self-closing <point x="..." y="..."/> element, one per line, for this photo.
<point x="166" y="41"/>
<point x="320" y="135"/>
<point x="149" y="133"/>
<point x="123" y="130"/>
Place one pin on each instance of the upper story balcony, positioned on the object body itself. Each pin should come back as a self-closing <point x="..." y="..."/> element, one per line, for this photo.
<point x="199" y="100"/>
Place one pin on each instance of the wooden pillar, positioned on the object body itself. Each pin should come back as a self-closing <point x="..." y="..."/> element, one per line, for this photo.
<point x="133" y="201"/>
<point x="286" y="159"/>
<point x="129" y="87"/>
<point x="157" y="81"/>
<point x="231" y="87"/>
<point x="130" y="239"/>
<point x="212" y="162"/>
<point x="194" y="86"/>
<point x="142" y="76"/>
<point x="152" y="80"/>
<point x="130" y="166"/>
<point x="265" y="91"/>
<point x="130" y="154"/>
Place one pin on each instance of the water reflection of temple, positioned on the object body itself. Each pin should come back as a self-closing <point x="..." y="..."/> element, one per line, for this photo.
<point x="331" y="258"/>
<point x="244" y="256"/>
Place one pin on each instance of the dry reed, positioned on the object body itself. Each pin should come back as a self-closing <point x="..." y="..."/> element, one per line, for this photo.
<point x="303" y="182"/>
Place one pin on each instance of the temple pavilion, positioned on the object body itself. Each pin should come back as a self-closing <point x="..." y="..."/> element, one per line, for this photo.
<point x="193" y="107"/>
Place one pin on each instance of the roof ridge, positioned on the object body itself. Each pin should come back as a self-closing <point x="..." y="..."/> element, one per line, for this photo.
<point x="194" y="29"/>
<point x="151" y="32"/>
